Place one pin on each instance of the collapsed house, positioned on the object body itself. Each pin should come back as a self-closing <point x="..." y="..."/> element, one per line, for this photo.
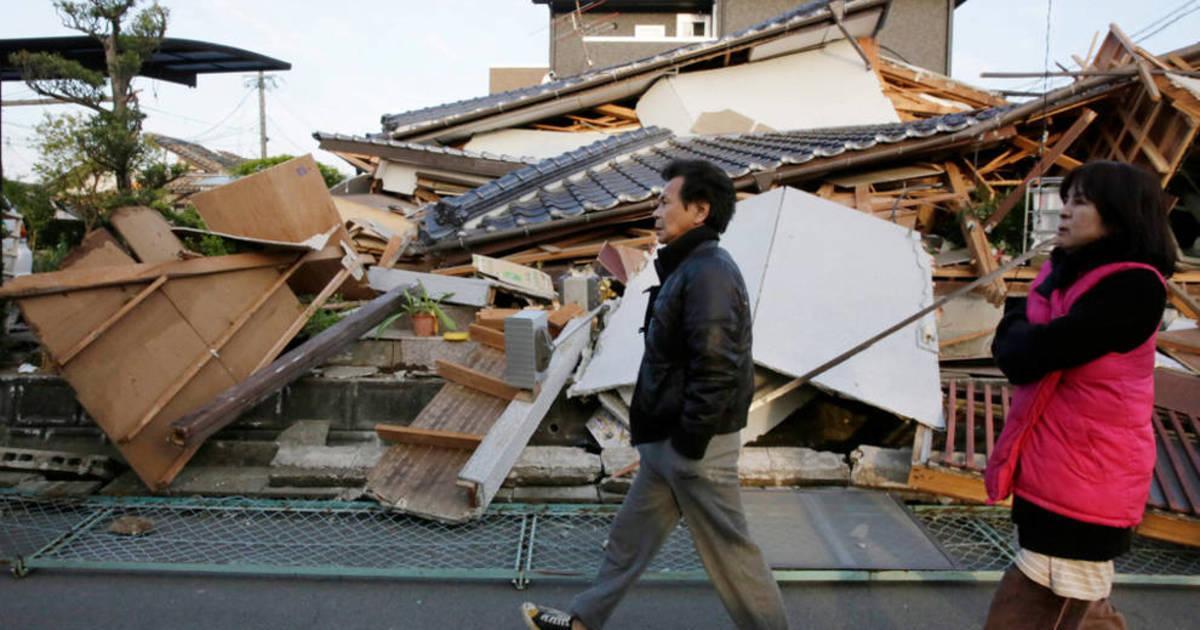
<point x="856" y="175"/>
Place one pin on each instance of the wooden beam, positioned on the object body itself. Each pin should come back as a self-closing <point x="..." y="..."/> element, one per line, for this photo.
<point x="1181" y="300"/>
<point x="97" y="277"/>
<point x="1170" y="527"/>
<point x="334" y="284"/>
<point x="1143" y="68"/>
<point x="579" y="251"/>
<point x="1060" y="147"/>
<point x="476" y="380"/>
<point x="487" y="336"/>
<point x="1064" y="160"/>
<point x="1149" y="150"/>
<point x="194" y="427"/>
<point x="949" y="482"/>
<point x="624" y="113"/>
<point x="427" y="437"/>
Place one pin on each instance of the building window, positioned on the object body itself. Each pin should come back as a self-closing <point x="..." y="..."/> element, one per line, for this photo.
<point x="649" y="31"/>
<point x="689" y="27"/>
<point x="694" y="25"/>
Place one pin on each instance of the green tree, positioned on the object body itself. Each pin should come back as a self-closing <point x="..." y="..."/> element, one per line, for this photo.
<point x="32" y="201"/>
<point x="330" y="174"/>
<point x="110" y="139"/>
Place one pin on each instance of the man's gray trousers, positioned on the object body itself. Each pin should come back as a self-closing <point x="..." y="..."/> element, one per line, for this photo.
<point x="705" y="493"/>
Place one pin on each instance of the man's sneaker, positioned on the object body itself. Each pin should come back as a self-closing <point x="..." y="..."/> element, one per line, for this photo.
<point x="541" y="618"/>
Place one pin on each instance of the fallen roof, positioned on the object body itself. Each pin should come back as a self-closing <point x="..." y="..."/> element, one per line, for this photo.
<point x="446" y="122"/>
<point x="428" y="155"/>
<point x="625" y="169"/>
<point x="199" y="156"/>
<point x="176" y="60"/>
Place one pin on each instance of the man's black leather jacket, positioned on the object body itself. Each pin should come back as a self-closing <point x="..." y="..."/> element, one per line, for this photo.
<point x="697" y="375"/>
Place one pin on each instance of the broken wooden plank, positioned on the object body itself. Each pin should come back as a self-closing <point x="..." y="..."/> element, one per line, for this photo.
<point x="78" y="279"/>
<point x="1143" y="68"/>
<point x="559" y="317"/>
<point x="476" y="380"/>
<point x="199" y="424"/>
<point x="494" y="317"/>
<point x="427" y="437"/>
<point x="1186" y="340"/>
<point x="487" y="336"/>
<point x="1180" y="299"/>
<point x="148" y="234"/>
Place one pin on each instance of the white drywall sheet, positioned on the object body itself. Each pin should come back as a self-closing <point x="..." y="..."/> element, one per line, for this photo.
<point x="618" y="353"/>
<point x="835" y="277"/>
<point x="828" y="87"/>
<point x="822" y="278"/>
<point x="531" y="142"/>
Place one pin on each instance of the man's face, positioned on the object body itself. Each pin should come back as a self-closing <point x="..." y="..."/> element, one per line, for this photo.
<point x="672" y="217"/>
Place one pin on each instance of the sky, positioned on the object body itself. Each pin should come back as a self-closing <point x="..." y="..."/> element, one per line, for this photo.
<point x="356" y="60"/>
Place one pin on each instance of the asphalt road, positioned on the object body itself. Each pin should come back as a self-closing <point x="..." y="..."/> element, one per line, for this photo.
<point x="60" y="600"/>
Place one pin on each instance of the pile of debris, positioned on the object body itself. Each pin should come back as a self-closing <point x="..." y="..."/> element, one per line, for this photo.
<point x="527" y="211"/>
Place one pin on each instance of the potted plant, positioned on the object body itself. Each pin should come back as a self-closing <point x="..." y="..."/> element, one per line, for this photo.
<point x="424" y="310"/>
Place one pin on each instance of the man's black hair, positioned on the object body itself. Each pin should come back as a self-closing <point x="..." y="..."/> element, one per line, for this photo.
<point x="1131" y="206"/>
<point x="704" y="181"/>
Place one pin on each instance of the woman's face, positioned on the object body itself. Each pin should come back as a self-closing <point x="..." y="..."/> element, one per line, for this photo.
<point x="1081" y="223"/>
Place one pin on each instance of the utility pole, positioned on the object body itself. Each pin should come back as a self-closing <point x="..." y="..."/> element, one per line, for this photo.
<point x="262" y="83"/>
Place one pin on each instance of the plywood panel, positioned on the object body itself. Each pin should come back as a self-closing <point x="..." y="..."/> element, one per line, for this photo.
<point x="288" y="202"/>
<point x="119" y="376"/>
<point x="211" y="304"/>
<point x="99" y="248"/>
<point x="148" y="234"/>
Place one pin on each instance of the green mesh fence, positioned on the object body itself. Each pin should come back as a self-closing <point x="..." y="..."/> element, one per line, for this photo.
<point x="511" y="542"/>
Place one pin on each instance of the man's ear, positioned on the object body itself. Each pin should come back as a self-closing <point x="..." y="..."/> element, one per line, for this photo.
<point x="701" y="209"/>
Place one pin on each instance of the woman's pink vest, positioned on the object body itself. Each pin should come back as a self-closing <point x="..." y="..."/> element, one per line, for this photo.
<point x="1079" y="442"/>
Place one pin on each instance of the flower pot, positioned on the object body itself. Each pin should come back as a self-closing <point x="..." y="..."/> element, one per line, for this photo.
<point x="424" y="324"/>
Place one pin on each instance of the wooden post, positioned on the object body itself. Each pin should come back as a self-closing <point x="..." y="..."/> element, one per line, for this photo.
<point x="225" y="408"/>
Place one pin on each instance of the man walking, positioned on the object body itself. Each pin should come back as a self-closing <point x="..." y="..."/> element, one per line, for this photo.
<point x="692" y="397"/>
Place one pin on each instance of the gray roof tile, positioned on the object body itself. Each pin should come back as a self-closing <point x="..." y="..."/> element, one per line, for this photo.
<point x="629" y="172"/>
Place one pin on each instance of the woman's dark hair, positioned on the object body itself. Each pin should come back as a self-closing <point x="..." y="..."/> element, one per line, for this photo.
<point x="704" y="181"/>
<point x="1131" y="205"/>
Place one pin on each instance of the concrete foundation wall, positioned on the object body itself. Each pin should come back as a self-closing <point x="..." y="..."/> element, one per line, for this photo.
<point x="44" y="408"/>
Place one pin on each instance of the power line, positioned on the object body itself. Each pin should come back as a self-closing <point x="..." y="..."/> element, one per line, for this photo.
<point x="1164" y="26"/>
<point x="1161" y="18"/>
<point x="221" y="122"/>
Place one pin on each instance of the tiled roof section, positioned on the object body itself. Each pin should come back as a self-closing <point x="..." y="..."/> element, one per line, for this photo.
<point x="372" y="145"/>
<point x="634" y="175"/>
<point x="449" y="215"/>
<point x="411" y="121"/>
<point x="198" y="156"/>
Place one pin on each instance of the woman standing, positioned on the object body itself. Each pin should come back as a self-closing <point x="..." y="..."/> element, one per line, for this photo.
<point x="1077" y="451"/>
